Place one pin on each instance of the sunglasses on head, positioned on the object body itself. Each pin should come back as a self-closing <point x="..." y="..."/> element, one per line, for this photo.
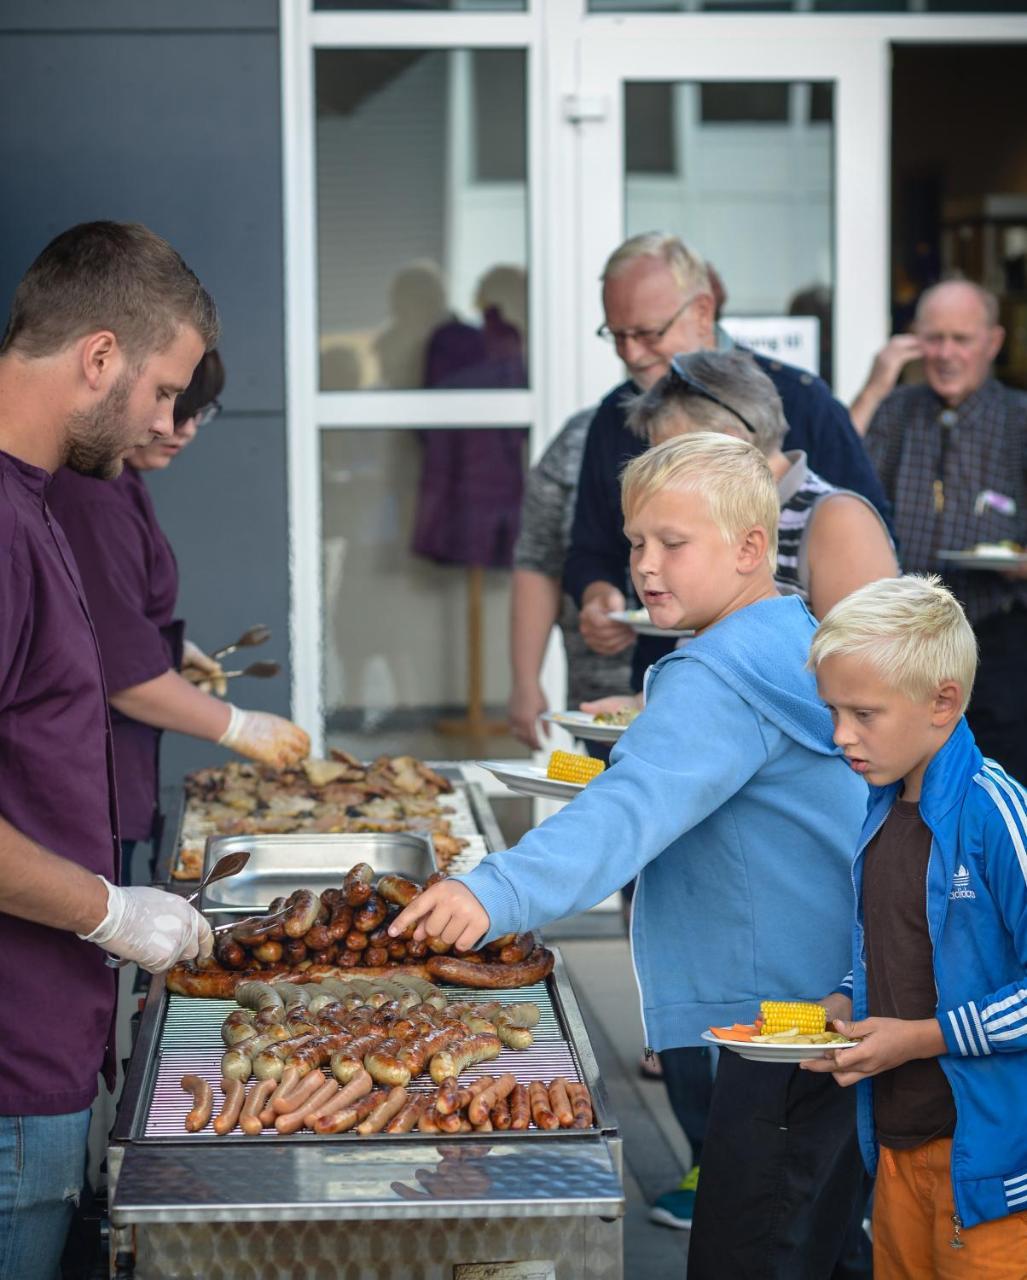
<point x="679" y="370"/>
<point x="201" y="417"/>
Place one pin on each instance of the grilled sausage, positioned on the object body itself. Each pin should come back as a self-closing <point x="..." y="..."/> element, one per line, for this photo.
<point x="405" y="1119"/>
<point x="500" y="1116"/>
<point x="450" y="1062"/>
<point x="397" y="889"/>
<point x="299" y="1095"/>
<point x="347" y="1062"/>
<point x="228" y="1117"/>
<point x="484" y="1100"/>
<point x="496" y="977"/>
<point x="415" y="1055"/>
<point x="250" y="1117"/>
<point x="238" y="1026"/>
<point x="293" y="1121"/>
<point x="301" y="912"/>
<point x="341" y="1121"/>
<point x="560" y="1102"/>
<point x="520" y="1107"/>
<point x="541" y="1113"/>
<point x="356" y="888"/>
<point x="368" y="917"/>
<point x="359" y="1087"/>
<point x="581" y="1105"/>
<point x="517" y="950"/>
<point x="203" y="1102"/>
<point x="383" y="1065"/>
<point x="384" y="1111"/>
<point x="269" y="952"/>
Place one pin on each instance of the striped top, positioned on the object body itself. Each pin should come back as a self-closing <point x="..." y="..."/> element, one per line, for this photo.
<point x="801" y="491"/>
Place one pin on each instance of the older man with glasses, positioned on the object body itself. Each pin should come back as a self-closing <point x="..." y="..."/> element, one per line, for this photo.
<point x="658" y="301"/>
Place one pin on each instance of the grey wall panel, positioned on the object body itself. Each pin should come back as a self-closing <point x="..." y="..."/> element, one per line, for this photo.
<point x="106" y="15"/>
<point x="169" y="112"/>
<point x="223" y="505"/>
<point x="180" y="131"/>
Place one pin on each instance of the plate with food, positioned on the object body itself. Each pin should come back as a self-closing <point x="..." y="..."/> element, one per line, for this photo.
<point x="606" y="726"/>
<point x="786" y="1031"/>
<point x="640" y="622"/>
<point x="989" y="556"/>
<point x="565" y="775"/>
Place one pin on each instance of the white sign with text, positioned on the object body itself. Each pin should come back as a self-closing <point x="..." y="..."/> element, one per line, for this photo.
<point x="790" y="339"/>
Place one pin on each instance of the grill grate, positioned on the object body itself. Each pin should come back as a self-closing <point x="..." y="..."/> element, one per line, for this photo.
<point x="190" y="1042"/>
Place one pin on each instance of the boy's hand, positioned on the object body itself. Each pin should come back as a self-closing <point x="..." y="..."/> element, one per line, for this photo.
<point x="884" y="1043"/>
<point x="448" y="910"/>
<point x="837" y="1006"/>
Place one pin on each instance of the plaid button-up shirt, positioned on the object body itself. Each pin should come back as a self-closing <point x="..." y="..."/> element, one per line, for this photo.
<point x="978" y="453"/>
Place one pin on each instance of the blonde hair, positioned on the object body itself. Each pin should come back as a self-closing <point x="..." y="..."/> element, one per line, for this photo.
<point x="731" y="475"/>
<point x="687" y="267"/>
<point x="912" y="630"/>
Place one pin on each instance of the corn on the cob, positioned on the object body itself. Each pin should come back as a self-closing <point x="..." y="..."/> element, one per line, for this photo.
<point x="565" y="766"/>
<point x="792" y="1015"/>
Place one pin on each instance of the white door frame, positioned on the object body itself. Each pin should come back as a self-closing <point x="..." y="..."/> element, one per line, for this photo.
<point x="852" y="51"/>
<point x="576" y="63"/>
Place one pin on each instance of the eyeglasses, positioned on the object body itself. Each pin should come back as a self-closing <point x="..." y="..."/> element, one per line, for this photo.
<point x="202" y="416"/>
<point x="679" y="370"/>
<point x="647" y="337"/>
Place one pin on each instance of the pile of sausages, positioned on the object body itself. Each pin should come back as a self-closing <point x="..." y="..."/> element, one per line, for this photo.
<point x="310" y="935"/>
<point x="324" y="1107"/>
<point x="394" y="1030"/>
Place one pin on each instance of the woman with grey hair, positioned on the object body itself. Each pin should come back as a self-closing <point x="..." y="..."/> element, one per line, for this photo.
<point x="830" y="541"/>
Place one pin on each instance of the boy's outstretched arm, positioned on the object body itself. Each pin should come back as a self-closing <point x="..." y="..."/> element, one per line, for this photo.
<point x="448" y="910"/>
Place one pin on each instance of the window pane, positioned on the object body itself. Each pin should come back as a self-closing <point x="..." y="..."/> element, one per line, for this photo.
<point x="750" y="186"/>
<point x="406" y="514"/>
<point x="422" y="218"/>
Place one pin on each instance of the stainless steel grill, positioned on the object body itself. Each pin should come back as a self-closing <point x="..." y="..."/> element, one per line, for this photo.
<point x="190" y="1042"/>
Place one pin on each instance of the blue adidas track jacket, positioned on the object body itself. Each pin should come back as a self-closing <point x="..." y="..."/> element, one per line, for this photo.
<point x="976" y="897"/>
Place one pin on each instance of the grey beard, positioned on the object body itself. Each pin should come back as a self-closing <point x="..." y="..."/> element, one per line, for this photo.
<point x="96" y="440"/>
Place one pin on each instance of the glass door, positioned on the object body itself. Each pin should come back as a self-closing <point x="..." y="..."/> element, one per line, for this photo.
<point x="767" y="153"/>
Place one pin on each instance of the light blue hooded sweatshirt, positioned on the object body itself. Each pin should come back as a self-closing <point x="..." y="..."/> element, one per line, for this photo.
<point x="729" y="801"/>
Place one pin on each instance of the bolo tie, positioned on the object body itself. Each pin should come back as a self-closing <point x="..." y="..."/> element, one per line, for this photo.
<point x="947" y="420"/>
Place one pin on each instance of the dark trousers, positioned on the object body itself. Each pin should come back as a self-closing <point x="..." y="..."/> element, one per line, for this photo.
<point x="998" y="709"/>
<point x="782" y="1189"/>
<point x="688" y="1076"/>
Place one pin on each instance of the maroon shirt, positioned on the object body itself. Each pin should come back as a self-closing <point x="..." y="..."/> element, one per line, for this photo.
<point x="57" y="788"/>
<point x="131" y="581"/>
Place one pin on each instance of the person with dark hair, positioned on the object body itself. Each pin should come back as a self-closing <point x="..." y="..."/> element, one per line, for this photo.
<point x="105" y="330"/>
<point x="131" y="580"/>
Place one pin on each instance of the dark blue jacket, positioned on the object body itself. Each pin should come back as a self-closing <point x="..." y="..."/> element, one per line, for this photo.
<point x="817" y="423"/>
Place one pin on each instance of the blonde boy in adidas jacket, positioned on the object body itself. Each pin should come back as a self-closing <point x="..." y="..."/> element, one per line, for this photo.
<point x="940" y="940"/>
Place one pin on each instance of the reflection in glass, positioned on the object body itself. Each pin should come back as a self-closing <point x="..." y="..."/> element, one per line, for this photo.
<point x="743" y="172"/>
<point x="422" y="218"/>
<point x="396" y="618"/>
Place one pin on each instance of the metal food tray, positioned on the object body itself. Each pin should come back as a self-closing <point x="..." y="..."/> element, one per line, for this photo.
<point x="190" y="1041"/>
<point x="279" y="865"/>
<point x="471" y="812"/>
<point x="160" y="1174"/>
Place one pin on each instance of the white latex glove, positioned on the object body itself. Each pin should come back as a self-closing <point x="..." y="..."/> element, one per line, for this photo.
<point x="202" y="670"/>
<point x="265" y="737"/>
<point x="151" y="927"/>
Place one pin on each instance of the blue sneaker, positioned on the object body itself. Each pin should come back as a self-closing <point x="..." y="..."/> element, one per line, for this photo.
<point x="675" y="1208"/>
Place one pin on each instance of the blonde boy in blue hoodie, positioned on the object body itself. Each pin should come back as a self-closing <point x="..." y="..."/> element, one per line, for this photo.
<point x="728" y="800"/>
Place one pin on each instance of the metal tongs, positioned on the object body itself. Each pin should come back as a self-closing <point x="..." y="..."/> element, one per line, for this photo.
<point x="254" y="636"/>
<point x="228" y="865"/>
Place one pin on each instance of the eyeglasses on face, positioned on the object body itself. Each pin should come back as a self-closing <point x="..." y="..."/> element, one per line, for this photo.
<point x="679" y="370"/>
<point x="647" y="337"/>
<point x="201" y="417"/>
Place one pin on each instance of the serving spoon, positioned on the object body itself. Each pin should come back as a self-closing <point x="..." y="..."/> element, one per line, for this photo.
<point x="253" y="636"/>
<point x="228" y="864"/>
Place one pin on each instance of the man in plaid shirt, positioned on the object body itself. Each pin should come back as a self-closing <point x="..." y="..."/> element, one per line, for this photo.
<point x="952" y="456"/>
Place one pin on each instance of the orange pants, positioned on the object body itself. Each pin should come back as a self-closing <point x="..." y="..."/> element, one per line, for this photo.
<point x="914" y="1224"/>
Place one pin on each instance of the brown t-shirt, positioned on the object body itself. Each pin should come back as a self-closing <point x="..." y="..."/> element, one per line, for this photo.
<point x="912" y="1103"/>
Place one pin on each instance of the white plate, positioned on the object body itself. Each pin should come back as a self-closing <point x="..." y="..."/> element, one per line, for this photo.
<point x="582" y="725"/>
<point x="775" y="1052"/>
<point x="977" y="560"/>
<point x="530" y="780"/>
<point x="639" y="622"/>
